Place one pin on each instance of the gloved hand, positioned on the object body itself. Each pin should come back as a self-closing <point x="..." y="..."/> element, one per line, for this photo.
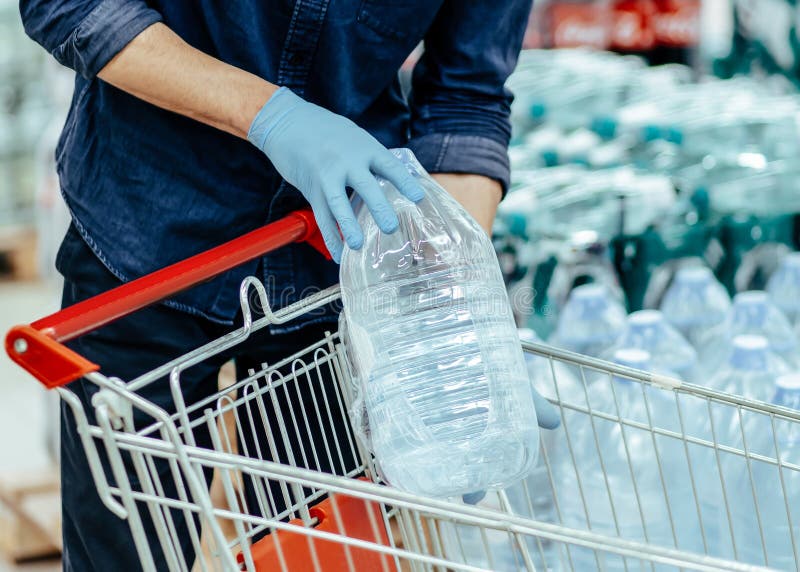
<point x="320" y="153"/>
<point x="548" y="418"/>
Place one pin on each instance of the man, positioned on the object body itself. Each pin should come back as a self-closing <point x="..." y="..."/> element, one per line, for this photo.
<point x="195" y="122"/>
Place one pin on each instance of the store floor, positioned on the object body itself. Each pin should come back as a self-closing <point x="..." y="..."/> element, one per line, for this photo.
<point x="23" y="407"/>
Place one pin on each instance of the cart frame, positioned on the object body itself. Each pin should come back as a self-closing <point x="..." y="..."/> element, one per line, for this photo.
<point x="411" y="523"/>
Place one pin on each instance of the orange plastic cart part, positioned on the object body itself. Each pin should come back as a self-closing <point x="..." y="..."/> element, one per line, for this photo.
<point x="39" y="349"/>
<point x="357" y="518"/>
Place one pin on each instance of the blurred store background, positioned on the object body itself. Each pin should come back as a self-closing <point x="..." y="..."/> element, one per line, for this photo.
<point x="34" y="95"/>
<point x="649" y="135"/>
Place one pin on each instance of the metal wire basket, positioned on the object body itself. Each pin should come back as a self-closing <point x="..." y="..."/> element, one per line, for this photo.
<point x="295" y="488"/>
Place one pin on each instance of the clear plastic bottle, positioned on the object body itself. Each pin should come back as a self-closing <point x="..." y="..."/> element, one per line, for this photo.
<point x="669" y="351"/>
<point x="532" y="497"/>
<point x="751" y="371"/>
<point x="580" y="258"/>
<point x="695" y="302"/>
<point x="625" y="519"/>
<point x="445" y="386"/>
<point x="784" y="287"/>
<point x="773" y="491"/>
<point x="752" y="313"/>
<point x="590" y="322"/>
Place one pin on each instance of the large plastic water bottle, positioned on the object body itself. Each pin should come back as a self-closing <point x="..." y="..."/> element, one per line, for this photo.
<point x="784" y="287"/>
<point x="532" y="497"/>
<point x="611" y="502"/>
<point x="752" y="313"/>
<point x="445" y="386"/>
<point x="590" y="322"/>
<point x="669" y="351"/>
<point x="695" y="302"/>
<point x="751" y="372"/>
<point x="776" y="490"/>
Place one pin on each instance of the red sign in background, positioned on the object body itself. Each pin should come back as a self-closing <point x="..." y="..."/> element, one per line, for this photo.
<point x="625" y="25"/>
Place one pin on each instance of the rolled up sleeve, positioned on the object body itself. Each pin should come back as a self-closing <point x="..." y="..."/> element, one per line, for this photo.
<point x="85" y="34"/>
<point x="459" y="104"/>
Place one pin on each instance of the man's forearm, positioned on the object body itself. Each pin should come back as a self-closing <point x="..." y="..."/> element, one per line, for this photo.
<point x="478" y="194"/>
<point x="162" y="69"/>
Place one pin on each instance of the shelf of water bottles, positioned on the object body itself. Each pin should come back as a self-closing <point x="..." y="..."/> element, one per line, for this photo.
<point x="620" y="171"/>
<point x="648" y="458"/>
<point x="637" y="187"/>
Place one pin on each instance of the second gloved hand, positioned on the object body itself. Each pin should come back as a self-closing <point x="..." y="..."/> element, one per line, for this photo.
<point x="321" y="154"/>
<point x="548" y="418"/>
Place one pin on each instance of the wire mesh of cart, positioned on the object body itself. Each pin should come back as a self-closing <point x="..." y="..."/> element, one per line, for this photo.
<point x="644" y="472"/>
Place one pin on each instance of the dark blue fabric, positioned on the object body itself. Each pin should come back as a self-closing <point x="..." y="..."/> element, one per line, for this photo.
<point x="147" y="187"/>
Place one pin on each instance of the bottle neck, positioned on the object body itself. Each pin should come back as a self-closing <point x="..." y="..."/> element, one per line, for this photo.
<point x="751" y="314"/>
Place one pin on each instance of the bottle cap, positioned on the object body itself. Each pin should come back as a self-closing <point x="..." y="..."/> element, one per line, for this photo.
<point x="632" y="357"/>
<point x="589" y="292"/>
<point x="693" y="275"/>
<point x="651" y="133"/>
<point x="590" y="300"/>
<point x="787" y="391"/>
<point x="751" y="298"/>
<point x="789" y="381"/>
<point x="751" y="343"/>
<point x="644" y="318"/>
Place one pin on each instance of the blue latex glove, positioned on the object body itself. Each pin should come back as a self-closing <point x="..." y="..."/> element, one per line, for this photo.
<point x="548" y="418"/>
<point x="321" y="153"/>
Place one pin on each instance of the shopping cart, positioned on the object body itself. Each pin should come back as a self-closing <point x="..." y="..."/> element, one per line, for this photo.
<point x="320" y="505"/>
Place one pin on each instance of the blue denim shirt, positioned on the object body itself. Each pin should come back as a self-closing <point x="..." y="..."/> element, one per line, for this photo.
<point x="147" y="187"/>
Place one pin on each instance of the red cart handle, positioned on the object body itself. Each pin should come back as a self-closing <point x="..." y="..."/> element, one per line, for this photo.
<point x="38" y="347"/>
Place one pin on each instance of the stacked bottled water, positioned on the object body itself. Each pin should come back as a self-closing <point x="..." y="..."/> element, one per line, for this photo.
<point x="784" y="287"/>
<point x="751" y="371"/>
<point x="533" y="496"/>
<point x="623" y="491"/>
<point x="443" y="379"/>
<point x="752" y="313"/>
<point x="669" y="351"/>
<point x="590" y="322"/>
<point x="777" y="491"/>
<point x="616" y="479"/>
<point x="695" y="302"/>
